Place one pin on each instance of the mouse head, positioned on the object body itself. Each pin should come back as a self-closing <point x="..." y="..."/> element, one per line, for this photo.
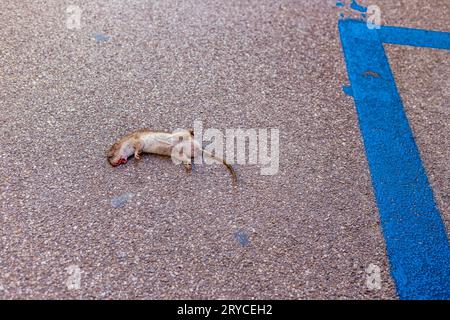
<point x="119" y="152"/>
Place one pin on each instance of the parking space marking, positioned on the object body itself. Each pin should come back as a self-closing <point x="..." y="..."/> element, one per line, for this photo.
<point x="416" y="240"/>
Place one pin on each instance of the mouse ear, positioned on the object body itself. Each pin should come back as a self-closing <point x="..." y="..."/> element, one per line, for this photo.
<point x="110" y="153"/>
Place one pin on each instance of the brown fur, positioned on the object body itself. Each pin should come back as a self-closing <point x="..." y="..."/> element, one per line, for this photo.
<point x="116" y="146"/>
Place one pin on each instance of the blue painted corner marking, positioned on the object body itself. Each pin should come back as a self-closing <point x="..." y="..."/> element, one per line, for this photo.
<point x="416" y="240"/>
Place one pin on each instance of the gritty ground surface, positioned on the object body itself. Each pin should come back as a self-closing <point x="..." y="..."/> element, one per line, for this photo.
<point x="150" y="230"/>
<point x="422" y="76"/>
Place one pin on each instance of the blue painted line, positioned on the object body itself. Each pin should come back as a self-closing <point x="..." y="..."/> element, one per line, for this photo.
<point x="415" y="37"/>
<point x="416" y="240"/>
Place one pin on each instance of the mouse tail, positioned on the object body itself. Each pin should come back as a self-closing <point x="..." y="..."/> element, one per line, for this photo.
<point x="227" y="165"/>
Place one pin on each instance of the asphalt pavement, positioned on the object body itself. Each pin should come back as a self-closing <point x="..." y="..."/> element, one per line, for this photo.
<point x="74" y="227"/>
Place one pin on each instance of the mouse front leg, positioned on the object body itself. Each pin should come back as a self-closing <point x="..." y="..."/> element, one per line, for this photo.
<point x="137" y="150"/>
